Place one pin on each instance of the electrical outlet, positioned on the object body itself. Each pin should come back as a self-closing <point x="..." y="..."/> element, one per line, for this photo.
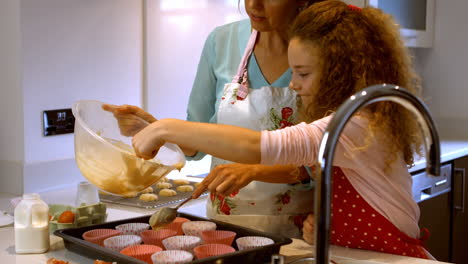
<point x="59" y="121"/>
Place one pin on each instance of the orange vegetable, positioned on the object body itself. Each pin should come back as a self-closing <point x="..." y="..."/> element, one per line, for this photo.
<point x="67" y="217"/>
<point x="97" y="261"/>
<point x="56" y="261"/>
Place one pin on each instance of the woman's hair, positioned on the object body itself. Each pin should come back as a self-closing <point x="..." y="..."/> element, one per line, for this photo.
<point x="360" y="48"/>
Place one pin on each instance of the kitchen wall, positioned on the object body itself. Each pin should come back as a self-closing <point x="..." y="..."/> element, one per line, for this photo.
<point x="58" y="52"/>
<point x="11" y="101"/>
<point x="176" y="31"/>
<point x="444" y="67"/>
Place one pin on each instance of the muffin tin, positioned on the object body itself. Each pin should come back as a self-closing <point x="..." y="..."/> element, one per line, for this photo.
<point x="73" y="241"/>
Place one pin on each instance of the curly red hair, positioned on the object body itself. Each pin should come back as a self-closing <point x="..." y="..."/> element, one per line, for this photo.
<point x="360" y="49"/>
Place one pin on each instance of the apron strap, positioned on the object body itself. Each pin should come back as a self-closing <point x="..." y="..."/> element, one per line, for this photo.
<point x="241" y="76"/>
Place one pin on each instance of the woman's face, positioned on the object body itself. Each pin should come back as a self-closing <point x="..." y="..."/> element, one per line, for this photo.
<point x="305" y="62"/>
<point x="272" y="15"/>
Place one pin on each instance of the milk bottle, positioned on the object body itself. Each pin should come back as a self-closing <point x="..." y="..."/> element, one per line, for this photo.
<point x="31" y="225"/>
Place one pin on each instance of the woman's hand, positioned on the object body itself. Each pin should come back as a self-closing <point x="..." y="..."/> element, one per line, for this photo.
<point x="131" y="118"/>
<point x="308" y="229"/>
<point x="227" y="178"/>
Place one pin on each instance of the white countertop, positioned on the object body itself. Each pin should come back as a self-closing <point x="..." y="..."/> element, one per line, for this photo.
<point x="116" y="212"/>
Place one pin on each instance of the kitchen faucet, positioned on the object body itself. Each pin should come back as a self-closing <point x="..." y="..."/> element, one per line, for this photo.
<point x="372" y="94"/>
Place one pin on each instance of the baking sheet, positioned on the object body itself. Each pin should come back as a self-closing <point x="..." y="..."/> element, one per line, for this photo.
<point x="74" y="242"/>
<point x="161" y="202"/>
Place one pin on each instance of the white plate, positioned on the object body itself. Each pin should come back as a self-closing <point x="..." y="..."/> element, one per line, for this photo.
<point x="5" y="219"/>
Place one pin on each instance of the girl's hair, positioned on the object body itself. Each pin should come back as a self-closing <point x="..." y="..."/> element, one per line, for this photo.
<point x="360" y="48"/>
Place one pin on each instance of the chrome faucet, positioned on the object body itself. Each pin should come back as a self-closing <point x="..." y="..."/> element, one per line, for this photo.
<point x="372" y="94"/>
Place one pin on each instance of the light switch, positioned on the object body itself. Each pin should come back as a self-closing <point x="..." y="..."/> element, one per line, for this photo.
<point x="59" y="121"/>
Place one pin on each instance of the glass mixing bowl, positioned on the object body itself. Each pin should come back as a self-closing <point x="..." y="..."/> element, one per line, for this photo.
<point x="106" y="158"/>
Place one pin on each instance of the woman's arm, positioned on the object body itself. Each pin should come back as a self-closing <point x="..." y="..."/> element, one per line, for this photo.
<point x="223" y="141"/>
<point x="132" y="119"/>
<point x="202" y="99"/>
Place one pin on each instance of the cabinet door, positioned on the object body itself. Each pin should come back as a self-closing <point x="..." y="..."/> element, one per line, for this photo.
<point x="435" y="216"/>
<point x="460" y="212"/>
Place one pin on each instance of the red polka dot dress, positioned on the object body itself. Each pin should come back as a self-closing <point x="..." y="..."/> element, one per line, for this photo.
<point x="355" y="224"/>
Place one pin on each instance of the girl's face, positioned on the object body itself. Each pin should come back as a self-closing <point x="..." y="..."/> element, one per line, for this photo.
<point x="272" y="15"/>
<point x="305" y="62"/>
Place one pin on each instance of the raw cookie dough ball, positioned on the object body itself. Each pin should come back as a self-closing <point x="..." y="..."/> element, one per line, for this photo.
<point x="147" y="197"/>
<point x="163" y="185"/>
<point x="180" y="181"/>
<point x="185" y="188"/>
<point x="167" y="192"/>
<point x="148" y="190"/>
<point x="196" y="184"/>
<point x="164" y="179"/>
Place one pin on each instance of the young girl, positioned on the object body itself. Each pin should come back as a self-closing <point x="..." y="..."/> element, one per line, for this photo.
<point x="335" y="50"/>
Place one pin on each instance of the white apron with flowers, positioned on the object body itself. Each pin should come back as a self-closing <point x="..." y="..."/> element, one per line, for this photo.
<point x="268" y="207"/>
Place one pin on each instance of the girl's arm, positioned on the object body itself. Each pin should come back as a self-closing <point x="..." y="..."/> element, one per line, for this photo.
<point x="223" y="141"/>
<point x="228" y="178"/>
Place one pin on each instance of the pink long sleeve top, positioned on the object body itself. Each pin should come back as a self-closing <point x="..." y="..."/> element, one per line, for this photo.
<point x="388" y="192"/>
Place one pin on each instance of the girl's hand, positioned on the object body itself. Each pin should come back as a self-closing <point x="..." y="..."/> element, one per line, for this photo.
<point x="308" y="229"/>
<point x="131" y="118"/>
<point x="147" y="142"/>
<point x="226" y="178"/>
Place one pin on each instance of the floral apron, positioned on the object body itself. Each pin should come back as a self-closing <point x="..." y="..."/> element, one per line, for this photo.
<point x="356" y="224"/>
<point x="274" y="208"/>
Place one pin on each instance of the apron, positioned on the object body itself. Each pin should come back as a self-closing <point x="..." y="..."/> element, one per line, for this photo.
<point x="355" y="224"/>
<point x="272" y="208"/>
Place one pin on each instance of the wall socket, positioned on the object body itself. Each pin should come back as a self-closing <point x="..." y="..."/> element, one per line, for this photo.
<point x="59" y="121"/>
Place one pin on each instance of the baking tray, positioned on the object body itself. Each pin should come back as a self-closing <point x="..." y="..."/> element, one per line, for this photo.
<point x="73" y="241"/>
<point x="161" y="202"/>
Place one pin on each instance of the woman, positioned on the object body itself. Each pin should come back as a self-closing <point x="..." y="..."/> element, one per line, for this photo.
<point x="242" y="80"/>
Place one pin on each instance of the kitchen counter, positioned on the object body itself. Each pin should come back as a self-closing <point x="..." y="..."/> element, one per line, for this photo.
<point x="115" y="212"/>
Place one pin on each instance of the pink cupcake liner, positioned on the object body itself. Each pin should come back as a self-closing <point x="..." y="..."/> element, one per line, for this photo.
<point x="182" y="243"/>
<point x="141" y="252"/>
<point x="210" y="250"/>
<point x="117" y="243"/>
<point x="248" y="242"/>
<point x="218" y="237"/>
<point x="194" y="228"/>
<point x="156" y="237"/>
<point x="97" y="236"/>
<point x="177" y="225"/>
<point x="132" y="228"/>
<point x="171" y="257"/>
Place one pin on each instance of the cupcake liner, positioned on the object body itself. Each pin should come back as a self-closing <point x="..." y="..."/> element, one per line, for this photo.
<point x="97" y="236"/>
<point x="194" y="228"/>
<point x="141" y="252"/>
<point x="176" y="225"/>
<point x="182" y="242"/>
<point x="117" y="243"/>
<point x="248" y="242"/>
<point x="132" y="228"/>
<point x="210" y="250"/>
<point x="152" y="237"/>
<point x="218" y="237"/>
<point x="171" y="257"/>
